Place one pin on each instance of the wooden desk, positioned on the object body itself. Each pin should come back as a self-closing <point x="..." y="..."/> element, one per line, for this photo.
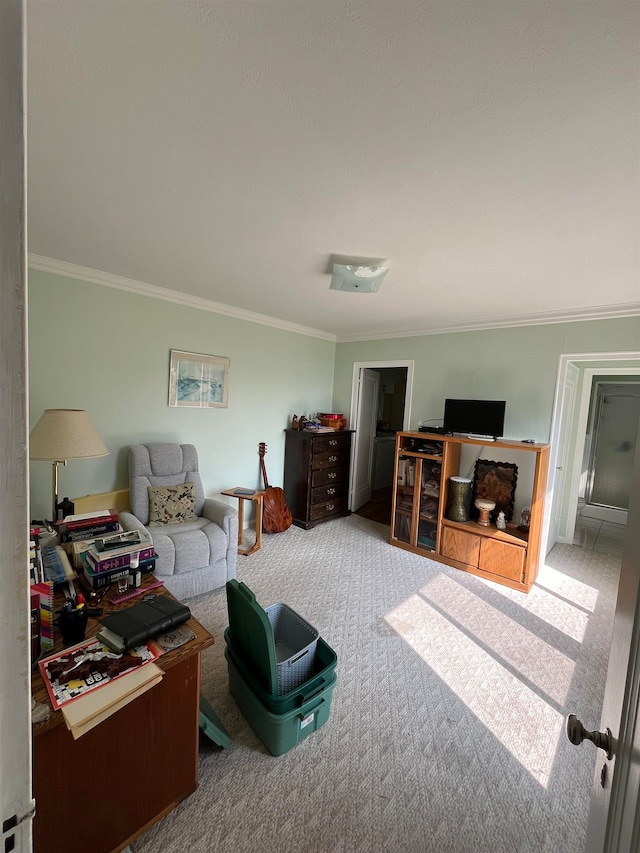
<point x="102" y="791"/>
<point x="258" y="498"/>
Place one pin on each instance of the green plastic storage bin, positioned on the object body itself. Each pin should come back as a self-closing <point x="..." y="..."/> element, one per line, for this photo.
<point x="278" y="642"/>
<point x="252" y="633"/>
<point x="323" y="675"/>
<point x="279" y="732"/>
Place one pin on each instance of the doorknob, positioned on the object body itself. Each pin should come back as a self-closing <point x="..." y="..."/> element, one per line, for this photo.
<point x="576" y="733"/>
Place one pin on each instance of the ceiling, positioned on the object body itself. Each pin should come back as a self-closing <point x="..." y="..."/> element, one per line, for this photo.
<point x="488" y="152"/>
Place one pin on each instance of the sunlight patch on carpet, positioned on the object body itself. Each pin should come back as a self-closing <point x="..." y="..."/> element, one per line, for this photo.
<point x="522" y="721"/>
<point x="558" y="599"/>
<point x="539" y="662"/>
<point x="563" y="584"/>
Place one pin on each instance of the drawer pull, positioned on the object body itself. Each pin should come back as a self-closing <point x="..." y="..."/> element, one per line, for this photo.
<point x="332" y="475"/>
<point x="333" y="442"/>
<point x="331" y="507"/>
<point x="331" y="491"/>
<point x="333" y="459"/>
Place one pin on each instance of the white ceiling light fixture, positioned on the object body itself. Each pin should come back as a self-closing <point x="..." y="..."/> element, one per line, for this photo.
<point x="357" y="278"/>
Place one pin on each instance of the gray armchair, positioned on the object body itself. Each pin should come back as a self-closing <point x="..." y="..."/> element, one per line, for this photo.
<point x="197" y="554"/>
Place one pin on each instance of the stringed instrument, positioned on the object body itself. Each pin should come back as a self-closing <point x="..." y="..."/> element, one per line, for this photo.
<point x="276" y="516"/>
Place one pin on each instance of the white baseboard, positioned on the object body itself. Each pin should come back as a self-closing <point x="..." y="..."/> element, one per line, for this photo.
<point x="605" y="513"/>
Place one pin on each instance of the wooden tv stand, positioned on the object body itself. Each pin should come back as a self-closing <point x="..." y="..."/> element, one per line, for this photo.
<point x="420" y="497"/>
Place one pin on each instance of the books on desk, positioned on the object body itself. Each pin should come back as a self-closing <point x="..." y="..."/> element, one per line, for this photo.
<point x="98" y="580"/>
<point x="121" y="561"/>
<point x="67" y="540"/>
<point x="44" y="590"/>
<point x="57" y="567"/>
<point x="89" y="524"/>
<point x="144" y="621"/>
<point x="118" y="553"/>
<point x="117" y="543"/>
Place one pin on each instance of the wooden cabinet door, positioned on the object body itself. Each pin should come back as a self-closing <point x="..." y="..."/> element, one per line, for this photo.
<point x="501" y="558"/>
<point x="460" y="545"/>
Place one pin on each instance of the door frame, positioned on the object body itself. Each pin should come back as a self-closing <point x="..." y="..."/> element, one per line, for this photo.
<point x="354" y="414"/>
<point x="17" y="804"/>
<point x="360" y="494"/>
<point x="599" y="364"/>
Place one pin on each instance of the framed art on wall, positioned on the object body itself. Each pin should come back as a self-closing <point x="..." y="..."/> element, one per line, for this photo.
<point x="496" y="481"/>
<point x="198" y="381"/>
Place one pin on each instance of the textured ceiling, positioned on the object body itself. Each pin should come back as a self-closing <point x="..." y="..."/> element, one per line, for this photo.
<point x="489" y="152"/>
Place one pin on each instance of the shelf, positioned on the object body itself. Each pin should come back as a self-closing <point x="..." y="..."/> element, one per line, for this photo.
<point x="511" y="534"/>
<point x="506" y="443"/>
<point x="511" y="557"/>
<point x="417" y="455"/>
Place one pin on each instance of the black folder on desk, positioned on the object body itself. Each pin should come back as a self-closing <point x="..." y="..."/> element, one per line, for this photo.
<point x="144" y="621"/>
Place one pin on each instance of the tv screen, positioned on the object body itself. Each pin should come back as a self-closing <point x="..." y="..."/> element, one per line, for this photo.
<point x="474" y="417"/>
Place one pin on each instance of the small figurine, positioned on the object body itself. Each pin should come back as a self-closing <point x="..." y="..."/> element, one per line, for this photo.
<point x="302" y="422"/>
<point x="525" y="520"/>
<point x="294" y="422"/>
<point x="501" y="522"/>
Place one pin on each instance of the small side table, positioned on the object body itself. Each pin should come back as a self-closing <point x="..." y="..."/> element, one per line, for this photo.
<point x="258" y="498"/>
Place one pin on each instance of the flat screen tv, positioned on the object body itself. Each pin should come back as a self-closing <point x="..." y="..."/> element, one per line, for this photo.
<point x="474" y="417"/>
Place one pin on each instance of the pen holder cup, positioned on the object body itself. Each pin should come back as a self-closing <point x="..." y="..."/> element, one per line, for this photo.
<point x="73" y="624"/>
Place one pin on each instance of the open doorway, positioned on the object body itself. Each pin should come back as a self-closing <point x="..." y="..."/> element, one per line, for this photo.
<point x="609" y="448"/>
<point x="578" y="375"/>
<point x="380" y="408"/>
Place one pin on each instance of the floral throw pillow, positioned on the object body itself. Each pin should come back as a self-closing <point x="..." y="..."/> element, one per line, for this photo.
<point x="171" y="504"/>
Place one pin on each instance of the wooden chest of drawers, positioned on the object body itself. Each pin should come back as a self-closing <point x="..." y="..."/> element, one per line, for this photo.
<point x="316" y="475"/>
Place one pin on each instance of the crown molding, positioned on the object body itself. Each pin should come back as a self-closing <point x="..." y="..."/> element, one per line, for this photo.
<point x="50" y="265"/>
<point x="602" y="312"/>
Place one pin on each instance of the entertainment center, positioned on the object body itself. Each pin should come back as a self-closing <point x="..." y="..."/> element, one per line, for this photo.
<point x="424" y="464"/>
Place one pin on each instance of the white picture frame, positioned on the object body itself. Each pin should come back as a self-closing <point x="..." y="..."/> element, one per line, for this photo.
<point x="198" y="381"/>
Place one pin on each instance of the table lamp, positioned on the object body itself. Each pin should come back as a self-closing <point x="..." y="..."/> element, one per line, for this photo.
<point x="63" y="434"/>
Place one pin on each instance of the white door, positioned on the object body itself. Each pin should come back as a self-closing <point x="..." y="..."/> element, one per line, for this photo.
<point x="15" y="714"/>
<point x="615" y="805"/>
<point x="567" y="419"/>
<point x="367" y="408"/>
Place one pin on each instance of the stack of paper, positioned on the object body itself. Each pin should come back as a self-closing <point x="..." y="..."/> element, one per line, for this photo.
<point x="82" y="714"/>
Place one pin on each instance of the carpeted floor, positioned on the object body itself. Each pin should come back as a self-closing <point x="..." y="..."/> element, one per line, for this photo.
<point x="446" y="731"/>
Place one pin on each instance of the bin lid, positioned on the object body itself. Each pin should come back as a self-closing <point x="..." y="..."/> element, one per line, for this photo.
<point x="251" y="633"/>
<point x="211" y="725"/>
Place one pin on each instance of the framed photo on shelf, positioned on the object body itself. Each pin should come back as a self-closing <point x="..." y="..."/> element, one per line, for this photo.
<point x="198" y="381"/>
<point x="496" y="481"/>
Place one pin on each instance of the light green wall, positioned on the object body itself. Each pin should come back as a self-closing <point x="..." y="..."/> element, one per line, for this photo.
<point x="518" y="365"/>
<point x="107" y="351"/>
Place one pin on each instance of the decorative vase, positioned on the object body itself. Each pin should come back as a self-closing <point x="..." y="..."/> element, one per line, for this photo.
<point x="484" y="507"/>
<point x="459" y="498"/>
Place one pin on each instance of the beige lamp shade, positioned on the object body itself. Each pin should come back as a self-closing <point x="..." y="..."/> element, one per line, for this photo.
<point x="62" y="434"/>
